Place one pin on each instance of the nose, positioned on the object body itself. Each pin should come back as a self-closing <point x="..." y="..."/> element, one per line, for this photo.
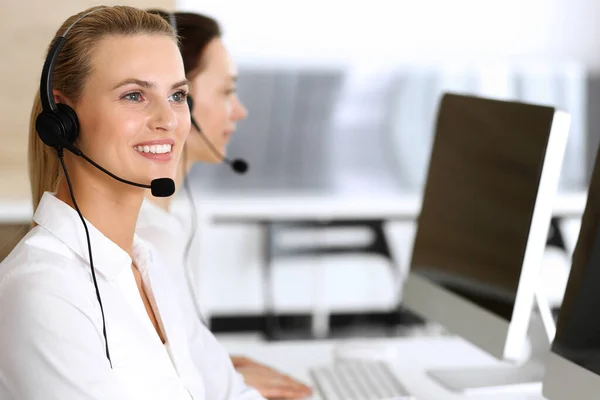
<point x="240" y="112"/>
<point x="163" y="117"/>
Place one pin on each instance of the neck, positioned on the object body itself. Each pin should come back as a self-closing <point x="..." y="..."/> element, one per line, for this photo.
<point x="182" y="170"/>
<point x="111" y="206"/>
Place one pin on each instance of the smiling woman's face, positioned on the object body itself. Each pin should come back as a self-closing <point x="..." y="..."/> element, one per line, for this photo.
<point x="133" y="113"/>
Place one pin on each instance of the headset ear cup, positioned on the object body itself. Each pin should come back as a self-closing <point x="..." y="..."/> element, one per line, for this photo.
<point x="49" y="127"/>
<point x="58" y="128"/>
<point x="69" y="121"/>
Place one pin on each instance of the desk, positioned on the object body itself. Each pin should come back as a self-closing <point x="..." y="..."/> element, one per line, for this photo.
<point x="267" y="209"/>
<point x="249" y="208"/>
<point x="223" y="208"/>
<point x="417" y="355"/>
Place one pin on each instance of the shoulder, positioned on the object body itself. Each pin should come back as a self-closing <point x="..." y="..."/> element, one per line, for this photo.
<point x="39" y="272"/>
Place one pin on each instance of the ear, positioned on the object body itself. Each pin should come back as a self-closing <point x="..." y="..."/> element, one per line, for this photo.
<point x="57" y="96"/>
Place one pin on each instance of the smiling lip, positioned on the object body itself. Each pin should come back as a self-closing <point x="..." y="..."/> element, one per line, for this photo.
<point x="157" y="157"/>
<point x="157" y="141"/>
<point x="164" y="157"/>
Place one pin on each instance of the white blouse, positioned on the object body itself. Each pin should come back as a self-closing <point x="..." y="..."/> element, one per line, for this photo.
<point x="51" y="342"/>
<point x="169" y="235"/>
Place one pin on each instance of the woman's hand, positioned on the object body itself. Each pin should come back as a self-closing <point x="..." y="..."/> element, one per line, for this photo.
<point x="269" y="383"/>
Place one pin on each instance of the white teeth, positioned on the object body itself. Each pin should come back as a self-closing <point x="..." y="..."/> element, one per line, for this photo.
<point x="154" y="149"/>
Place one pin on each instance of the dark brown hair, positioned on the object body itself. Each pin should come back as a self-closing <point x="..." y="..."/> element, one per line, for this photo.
<point x="195" y="32"/>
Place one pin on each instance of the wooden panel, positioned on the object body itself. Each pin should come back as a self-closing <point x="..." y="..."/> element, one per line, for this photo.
<point x="10" y="236"/>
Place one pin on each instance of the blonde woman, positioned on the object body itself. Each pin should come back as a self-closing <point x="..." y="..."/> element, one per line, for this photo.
<point x="86" y="311"/>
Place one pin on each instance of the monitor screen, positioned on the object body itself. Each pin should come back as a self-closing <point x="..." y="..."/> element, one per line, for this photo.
<point x="578" y="328"/>
<point x="479" y="198"/>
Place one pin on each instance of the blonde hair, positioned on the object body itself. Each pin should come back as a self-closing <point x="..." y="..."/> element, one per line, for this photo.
<point x="71" y="71"/>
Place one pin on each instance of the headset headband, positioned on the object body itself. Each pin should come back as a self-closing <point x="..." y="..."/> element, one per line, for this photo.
<point x="46" y="94"/>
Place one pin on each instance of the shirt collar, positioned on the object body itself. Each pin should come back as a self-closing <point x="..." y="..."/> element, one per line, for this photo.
<point x="63" y="222"/>
<point x="149" y="207"/>
<point x="153" y="215"/>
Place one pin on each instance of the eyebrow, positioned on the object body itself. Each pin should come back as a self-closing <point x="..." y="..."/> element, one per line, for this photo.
<point x="148" y="84"/>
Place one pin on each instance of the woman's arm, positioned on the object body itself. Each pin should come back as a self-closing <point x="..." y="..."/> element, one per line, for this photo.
<point x="270" y="383"/>
<point x="221" y="380"/>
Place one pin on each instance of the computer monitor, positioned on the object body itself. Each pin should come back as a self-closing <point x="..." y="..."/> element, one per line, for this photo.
<point x="487" y="205"/>
<point x="573" y="366"/>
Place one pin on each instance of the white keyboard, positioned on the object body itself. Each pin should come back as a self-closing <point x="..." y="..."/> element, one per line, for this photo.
<point x="358" y="380"/>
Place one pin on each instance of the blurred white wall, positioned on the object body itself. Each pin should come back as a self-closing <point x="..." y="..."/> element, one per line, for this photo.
<point x="402" y="31"/>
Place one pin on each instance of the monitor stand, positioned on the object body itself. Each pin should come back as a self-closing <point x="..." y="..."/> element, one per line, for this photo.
<point x="524" y="377"/>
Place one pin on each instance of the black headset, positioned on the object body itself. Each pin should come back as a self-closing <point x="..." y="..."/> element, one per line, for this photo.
<point x="57" y="125"/>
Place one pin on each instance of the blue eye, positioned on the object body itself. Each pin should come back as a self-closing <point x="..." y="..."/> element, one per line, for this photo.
<point x="179" y="97"/>
<point x="134" y="97"/>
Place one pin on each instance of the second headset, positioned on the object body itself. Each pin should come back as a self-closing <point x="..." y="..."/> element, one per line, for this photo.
<point x="238" y="165"/>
